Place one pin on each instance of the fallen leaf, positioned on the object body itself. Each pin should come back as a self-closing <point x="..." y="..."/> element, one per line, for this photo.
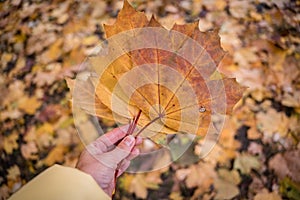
<point x="90" y="40"/>
<point x="13" y="173"/>
<point x="138" y="187"/>
<point x="286" y="165"/>
<point x="29" y="104"/>
<point x="267" y="195"/>
<point x="50" y="113"/>
<point x="271" y="122"/>
<point x="44" y="78"/>
<point x="56" y="155"/>
<point x="255" y="148"/>
<point x="253" y="133"/>
<point x="16" y="92"/>
<point x="244" y="57"/>
<point x="61" y="9"/>
<point x="63" y="18"/>
<point x="141" y="182"/>
<point x="99" y="8"/>
<point x="215" y="4"/>
<point x="53" y="53"/>
<point x="230" y="176"/>
<point x="290" y="189"/>
<point x="246" y="162"/>
<point x="4" y="191"/>
<point x="239" y="9"/>
<point x="218" y="154"/>
<point x="10" y="142"/>
<point x="225" y="189"/>
<point x="257" y="186"/>
<point x="201" y="176"/>
<point x="44" y="135"/>
<point x="29" y="151"/>
<point x="175" y="196"/>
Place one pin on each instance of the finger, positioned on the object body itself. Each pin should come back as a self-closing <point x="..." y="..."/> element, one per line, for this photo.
<point x="113" y="158"/>
<point x="124" y="165"/>
<point x="126" y="162"/>
<point x="110" y="188"/>
<point x="105" y="141"/>
<point x="138" y="140"/>
<point x="134" y="153"/>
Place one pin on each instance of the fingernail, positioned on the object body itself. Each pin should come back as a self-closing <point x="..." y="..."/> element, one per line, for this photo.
<point x="136" y="151"/>
<point x="129" y="140"/>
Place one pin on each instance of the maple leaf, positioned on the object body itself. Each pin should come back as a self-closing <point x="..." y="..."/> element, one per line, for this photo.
<point x="171" y="76"/>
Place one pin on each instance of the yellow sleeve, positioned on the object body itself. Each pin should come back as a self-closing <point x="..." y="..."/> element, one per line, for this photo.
<point x="64" y="183"/>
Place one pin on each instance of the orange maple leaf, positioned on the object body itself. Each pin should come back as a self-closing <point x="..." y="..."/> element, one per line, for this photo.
<point x="170" y="76"/>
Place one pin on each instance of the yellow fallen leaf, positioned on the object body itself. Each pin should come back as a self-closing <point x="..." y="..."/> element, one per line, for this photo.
<point x="13" y="173"/>
<point x="56" y="155"/>
<point x="90" y="40"/>
<point x="53" y="53"/>
<point x="201" y="175"/>
<point x="63" y="18"/>
<point x="230" y="176"/>
<point x="245" y="162"/>
<point x="266" y="195"/>
<point x="29" y="104"/>
<point x="45" y="128"/>
<point x="271" y="122"/>
<point x="139" y="186"/>
<point x="10" y="143"/>
<point x="125" y="181"/>
<point x="225" y="189"/>
<point x="175" y="196"/>
<point x="253" y="134"/>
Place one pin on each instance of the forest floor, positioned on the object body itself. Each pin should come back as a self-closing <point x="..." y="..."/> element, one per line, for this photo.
<point x="257" y="155"/>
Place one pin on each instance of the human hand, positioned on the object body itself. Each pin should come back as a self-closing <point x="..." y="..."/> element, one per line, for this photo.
<point x="103" y="160"/>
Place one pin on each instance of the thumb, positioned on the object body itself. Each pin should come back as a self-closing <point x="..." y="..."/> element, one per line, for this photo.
<point x="123" y="149"/>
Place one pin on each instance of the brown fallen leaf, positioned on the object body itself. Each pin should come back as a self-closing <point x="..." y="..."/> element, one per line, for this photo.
<point x="4" y="191"/>
<point x="16" y="92"/>
<point x="29" y="151"/>
<point x="286" y="164"/>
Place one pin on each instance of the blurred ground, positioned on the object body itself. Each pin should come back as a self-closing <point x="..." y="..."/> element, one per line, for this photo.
<point x="257" y="156"/>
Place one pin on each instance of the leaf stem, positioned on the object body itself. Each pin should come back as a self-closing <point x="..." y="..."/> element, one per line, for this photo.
<point x="130" y="126"/>
<point x="133" y="123"/>
<point x="149" y="123"/>
<point x="129" y="132"/>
